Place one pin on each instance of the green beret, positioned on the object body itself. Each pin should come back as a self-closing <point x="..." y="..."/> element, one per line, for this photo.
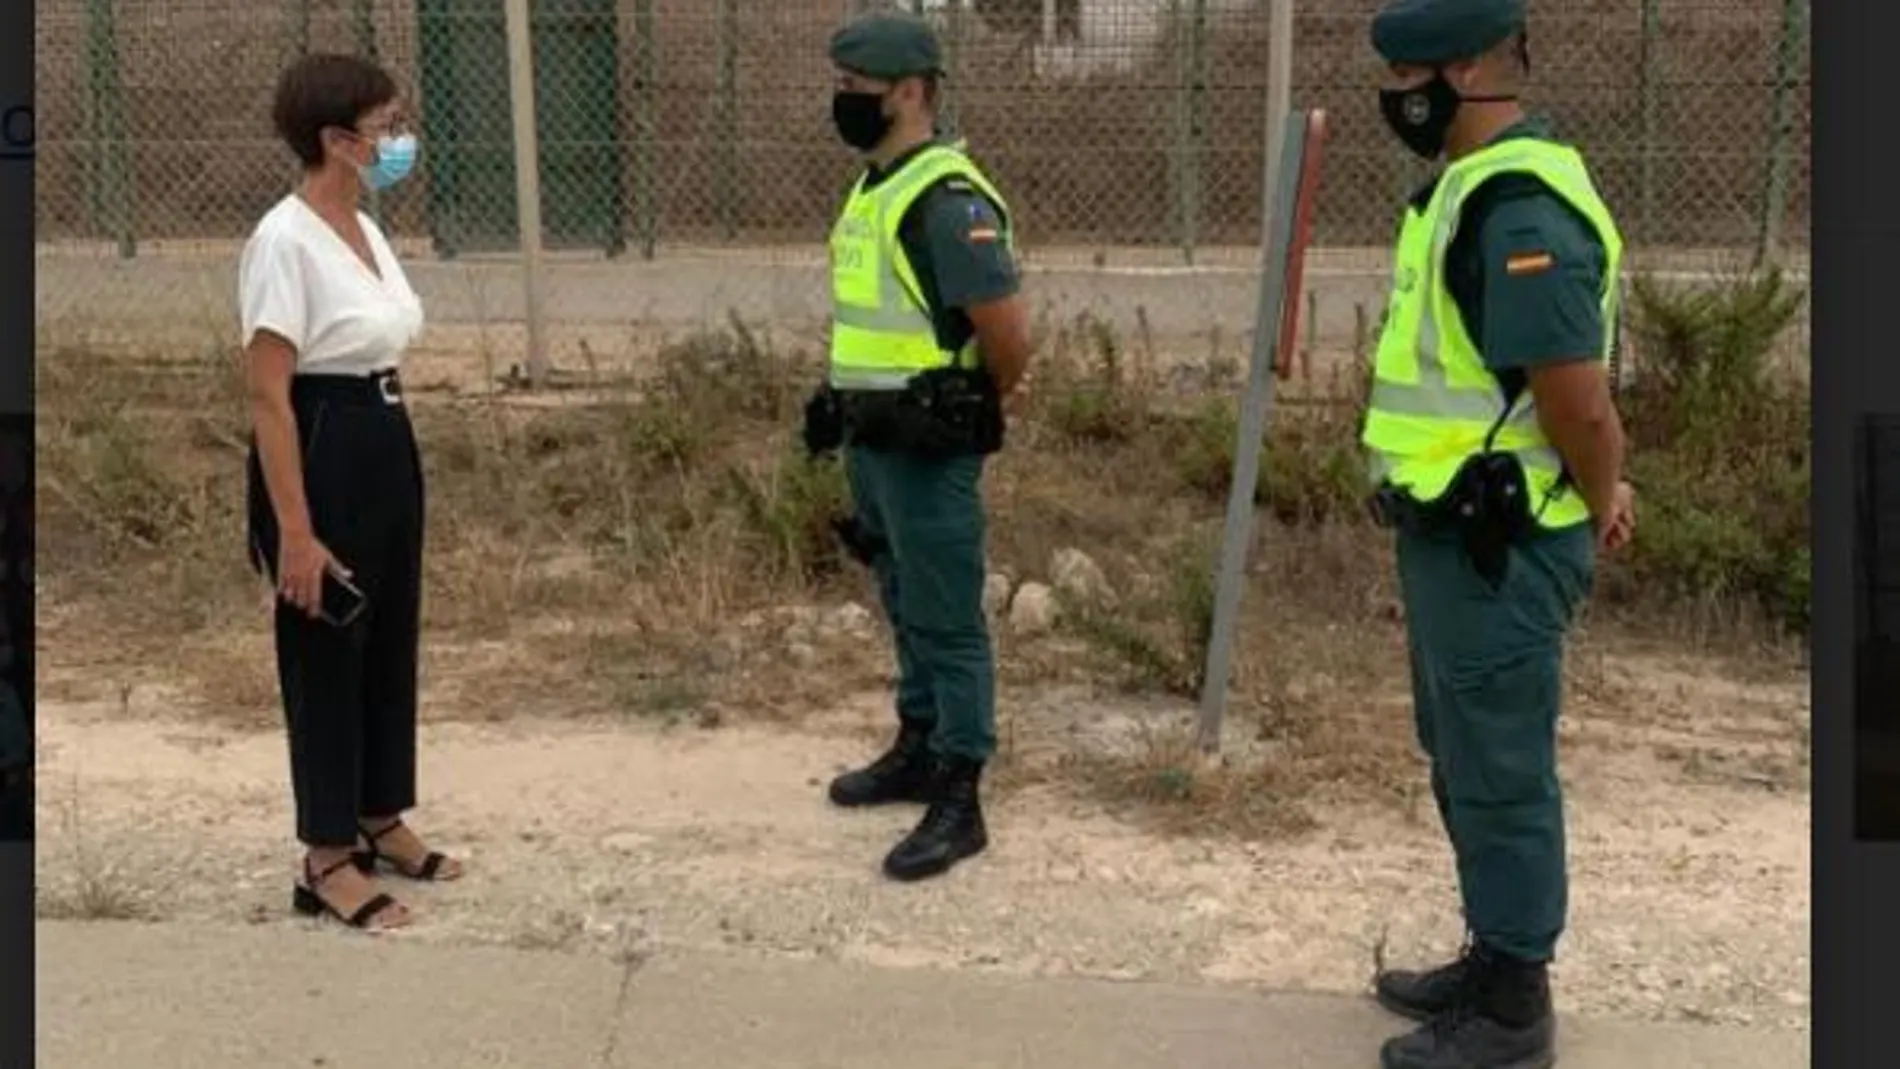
<point x="1427" y="33"/>
<point x="887" y="46"/>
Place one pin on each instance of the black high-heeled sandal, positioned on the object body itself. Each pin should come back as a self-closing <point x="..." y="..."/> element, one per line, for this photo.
<point x="305" y="899"/>
<point x="367" y="859"/>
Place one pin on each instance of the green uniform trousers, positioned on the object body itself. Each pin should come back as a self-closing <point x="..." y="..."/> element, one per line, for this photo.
<point x="928" y="517"/>
<point x="1487" y="686"/>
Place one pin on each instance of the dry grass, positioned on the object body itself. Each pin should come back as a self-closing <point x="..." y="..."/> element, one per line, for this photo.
<point x="654" y="548"/>
<point x="93" y="883"/>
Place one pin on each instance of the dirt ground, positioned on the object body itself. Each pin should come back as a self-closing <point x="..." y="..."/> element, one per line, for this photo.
<point x="1687" y="793"/>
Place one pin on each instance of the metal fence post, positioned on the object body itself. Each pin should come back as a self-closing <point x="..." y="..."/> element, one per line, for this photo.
<point x="952" y="64"/>
<point x="110" y="190"/>
<point x="1279" y="105"/>
<point x="363" y="27"/>
<point x="1190" y="119"/>
<point x="645" y="129"/>
<point x="726" y="115"/>
<point x="1774" y="193"/>
<point x="527" y="180"/>
<point x="299" y="27"/>
<point x="1648" y="94"/>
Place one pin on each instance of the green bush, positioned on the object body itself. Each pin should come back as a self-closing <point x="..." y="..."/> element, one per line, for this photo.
<point x="1719" y="440"/>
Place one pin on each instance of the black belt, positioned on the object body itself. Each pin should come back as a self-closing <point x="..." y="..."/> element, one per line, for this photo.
<point x="1394" y="509"/>
<point x="381" y="388"/>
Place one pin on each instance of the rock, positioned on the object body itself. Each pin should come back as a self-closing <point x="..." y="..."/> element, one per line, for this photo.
<point x="1076" y="576"/>
<point x="802" y="654"/>
<point x="996" y="590"/>
<point x="1033" y="610"/>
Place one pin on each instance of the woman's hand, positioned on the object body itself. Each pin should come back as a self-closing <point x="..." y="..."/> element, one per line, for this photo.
<point x="301" y="562"/>
<point x="1620" y="527"/>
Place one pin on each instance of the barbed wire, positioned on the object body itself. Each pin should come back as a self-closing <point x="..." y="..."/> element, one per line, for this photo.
<point x="1110" y="123"/>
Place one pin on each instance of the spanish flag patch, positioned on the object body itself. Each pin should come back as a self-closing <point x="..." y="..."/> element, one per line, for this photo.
<point x="1528" y="263"/>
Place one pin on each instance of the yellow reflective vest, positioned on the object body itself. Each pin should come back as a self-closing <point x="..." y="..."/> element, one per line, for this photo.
<point x="1433" y="400"/>
<point x="881" y="332"/>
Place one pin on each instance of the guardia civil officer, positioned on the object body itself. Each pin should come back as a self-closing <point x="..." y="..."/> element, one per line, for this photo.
<point x="928" y="335"/>
<point x="336" y="485"/>
<point x="1497" y="455"/>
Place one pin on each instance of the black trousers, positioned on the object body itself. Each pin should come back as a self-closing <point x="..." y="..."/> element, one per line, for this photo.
<point x="350" y="692"/>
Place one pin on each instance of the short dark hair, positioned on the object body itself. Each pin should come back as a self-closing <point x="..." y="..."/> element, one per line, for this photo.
<point x="325" y="89"/>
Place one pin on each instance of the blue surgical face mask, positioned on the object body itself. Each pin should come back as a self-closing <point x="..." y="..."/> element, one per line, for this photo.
<point x="395" y="158"/>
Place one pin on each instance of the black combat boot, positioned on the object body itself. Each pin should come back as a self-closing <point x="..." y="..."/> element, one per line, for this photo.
<point x="901" y="774"/>
<point x="952" y="828"/>
<point x="1499" y="1018"/>
<point x="1422" y="995"/>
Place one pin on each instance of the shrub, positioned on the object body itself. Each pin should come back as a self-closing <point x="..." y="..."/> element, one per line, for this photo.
<point x="1720" y="447"/>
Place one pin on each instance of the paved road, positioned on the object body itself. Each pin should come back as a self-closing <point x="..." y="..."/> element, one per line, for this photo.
<point x="178" y="997"/>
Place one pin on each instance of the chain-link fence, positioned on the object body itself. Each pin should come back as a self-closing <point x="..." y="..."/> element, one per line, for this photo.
<point x="691" y="123"/>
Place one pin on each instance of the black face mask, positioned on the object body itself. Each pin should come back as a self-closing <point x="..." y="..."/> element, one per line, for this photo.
<point x="860" y="119"/>
<point x="1421" y="117"/>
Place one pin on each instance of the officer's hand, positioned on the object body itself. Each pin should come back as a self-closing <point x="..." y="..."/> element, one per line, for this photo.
<point x="301" y="562"/>
<point x="1618" y="528"/>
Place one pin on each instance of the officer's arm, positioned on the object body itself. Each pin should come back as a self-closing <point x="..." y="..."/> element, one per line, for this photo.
<point x="1543" y="273"/>
<point x="977" y="275"/>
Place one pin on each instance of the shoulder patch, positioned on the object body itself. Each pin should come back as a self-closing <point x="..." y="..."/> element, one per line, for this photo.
<point x="1528" y="263"/>
<point x="982" y="223"/>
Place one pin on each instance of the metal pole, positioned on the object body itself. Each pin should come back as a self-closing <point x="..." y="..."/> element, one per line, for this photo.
<point x="112" y="188"/>
<point x="1647" y="96"/>
<point x="953" y="65"/>
<point x="726" y="106"/>
<point x="1774" y="194"/>
<point x="1271" y="310"/>
<point x="300" y="27"/>
<point x="527" y="180"/>
<point x="1279" y="106"/>
<point x="1178" y="161"/>
<point x="364" y="24"/>
<point x="645" y="129"/>
<point x="1194" y="131"/>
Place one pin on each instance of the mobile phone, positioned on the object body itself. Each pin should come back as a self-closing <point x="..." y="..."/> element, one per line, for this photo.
<point x="342" y="601"/>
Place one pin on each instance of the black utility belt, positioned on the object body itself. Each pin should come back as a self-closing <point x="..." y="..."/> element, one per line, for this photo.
<point x="938" y="414"/>
<point x="1397" y="510"/>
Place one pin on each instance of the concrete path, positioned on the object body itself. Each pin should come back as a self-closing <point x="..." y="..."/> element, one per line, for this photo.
<point x="180" y="997"/>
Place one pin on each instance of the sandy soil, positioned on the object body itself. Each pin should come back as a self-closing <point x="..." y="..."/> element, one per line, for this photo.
<point x="1690" y="841"/>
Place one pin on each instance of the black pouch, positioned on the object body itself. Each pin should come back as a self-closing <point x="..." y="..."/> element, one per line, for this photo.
<point x="858" y="541"/>
<point x="952" y="412"/>
<point x="1488" y="503"/>
<point x="824" y="423"/>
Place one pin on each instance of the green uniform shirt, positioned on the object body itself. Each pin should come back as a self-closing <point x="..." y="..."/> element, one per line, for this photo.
<point x="953" y="236"/>
<point x="1546" y="314"/>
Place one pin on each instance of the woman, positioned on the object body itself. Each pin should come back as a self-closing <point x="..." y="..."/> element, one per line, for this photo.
<point x="335" y="488"/>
